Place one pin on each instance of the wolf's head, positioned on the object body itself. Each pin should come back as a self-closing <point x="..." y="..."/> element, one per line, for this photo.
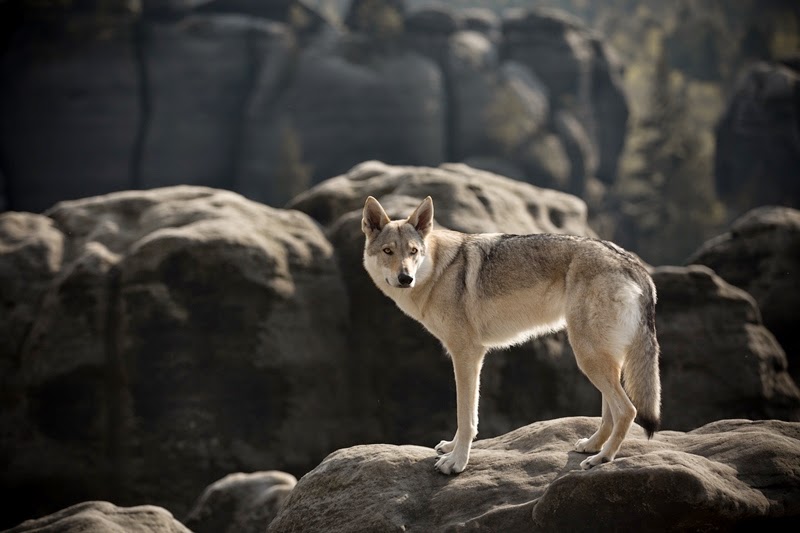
<point x="395" y="250"/>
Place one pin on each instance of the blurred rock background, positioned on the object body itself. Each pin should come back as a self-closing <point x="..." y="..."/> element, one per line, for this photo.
<point x="159" y="331"/>
<point x="669" y="119"/>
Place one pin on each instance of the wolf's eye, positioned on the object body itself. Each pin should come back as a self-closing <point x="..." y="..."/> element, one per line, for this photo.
<point x="413" y="251"/>
<point x="387" y="251"/>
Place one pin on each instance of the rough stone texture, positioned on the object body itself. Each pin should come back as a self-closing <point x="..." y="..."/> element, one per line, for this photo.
<point x="717" y="477"/>
<point x="582" y="74"/>
<point x="165" y="335"/>
<point x="758" y="140"/>
<point x="717" y="358"/>
<point x="104" y="517"/>
<point x="240" y="503"/>
<point x="760" y="253"/>
<point x="466" y="199"/>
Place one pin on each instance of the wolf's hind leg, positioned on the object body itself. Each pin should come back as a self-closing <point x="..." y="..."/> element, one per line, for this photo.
<point x="603" y="370"/>
<point x="593" y="443"/>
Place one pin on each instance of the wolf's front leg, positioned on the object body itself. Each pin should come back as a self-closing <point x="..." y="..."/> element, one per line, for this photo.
<point x="467" y="366"/>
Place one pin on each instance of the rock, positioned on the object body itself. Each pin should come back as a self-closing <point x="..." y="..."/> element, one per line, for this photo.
<point x="3" y="199"/>
<point x="386" y="105"/>
<point x="494" y="109"/>
<point x="758" y="140"/>
<point x="482" y="20"/>
<point x="170" y="8"/>
<point x="717" y="358"/>
<point x="270" y="9"/>
<point x="716" y="477"/>
<point x="180" y="335"/>
<point x="433" y="19"/>
<point x="69" y="110"/>
<point x="582" y="154"/>
<point x="226" y="94"/>
<point x="466" y="199"/>
<point x="240" y="503"/>
<point x="375" y="16"/>
<point x="760" y="253"/>
<point x="200" y="72"/>
<point x="103" y="517"/>
<point x="32" y="250"/>
<point x="579" y="70"/>
<point x="428" y="29"/>
<point x="264" y="166"/>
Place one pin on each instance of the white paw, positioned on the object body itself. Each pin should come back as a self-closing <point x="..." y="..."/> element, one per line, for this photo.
<point x="594" y="460"/>
<point x="452" y="463"/>
<point x="583" y="446"/>
<point x="446" y="446"/>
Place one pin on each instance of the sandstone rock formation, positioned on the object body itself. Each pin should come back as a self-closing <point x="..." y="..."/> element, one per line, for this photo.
<point x="185" y="333"/>
<point x="716" y="477"/>
<point x="104" y="517"/>
<point x="760" y="253"/>
<point x="717" y="358"/>
<point x="268" y="98"/>
<point x="240" y="503"/>
<point x="175" y="334"/>
<point x="758" y="140"/>
<point x="577" y="67"/>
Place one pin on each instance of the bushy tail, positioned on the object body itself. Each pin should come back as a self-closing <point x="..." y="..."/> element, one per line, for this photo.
<point x="640" y="373"/>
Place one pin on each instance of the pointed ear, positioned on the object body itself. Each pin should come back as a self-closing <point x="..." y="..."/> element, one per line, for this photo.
<point x="374" y="217"/>
<point x="422" y="217"/>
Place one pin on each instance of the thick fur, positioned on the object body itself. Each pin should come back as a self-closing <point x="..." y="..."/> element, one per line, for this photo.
<point x="484" y="291"/>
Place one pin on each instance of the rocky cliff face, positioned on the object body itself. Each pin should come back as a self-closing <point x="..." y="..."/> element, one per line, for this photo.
<point x="156" y="340"/>
<point x="760" y="254"/>
<point x="758" y="139"/>
<point x="269" y="98"/>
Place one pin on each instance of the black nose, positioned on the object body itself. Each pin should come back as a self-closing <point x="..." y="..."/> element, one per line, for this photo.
<point x="405" y="279"/>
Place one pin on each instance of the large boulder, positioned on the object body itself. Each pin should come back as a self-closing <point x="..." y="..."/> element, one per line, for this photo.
<point x="240" y="503"/>
<point x="174" y="334"/>
<point x="717" y="358"/>
<point x="104" y="517"/>
<point x="758" y="140"/>
<point x="714" y="478"/>
<point x="760" y="253"/>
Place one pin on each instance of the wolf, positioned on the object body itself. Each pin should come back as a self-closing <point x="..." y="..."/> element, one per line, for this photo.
<point x="479" y="292"/>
